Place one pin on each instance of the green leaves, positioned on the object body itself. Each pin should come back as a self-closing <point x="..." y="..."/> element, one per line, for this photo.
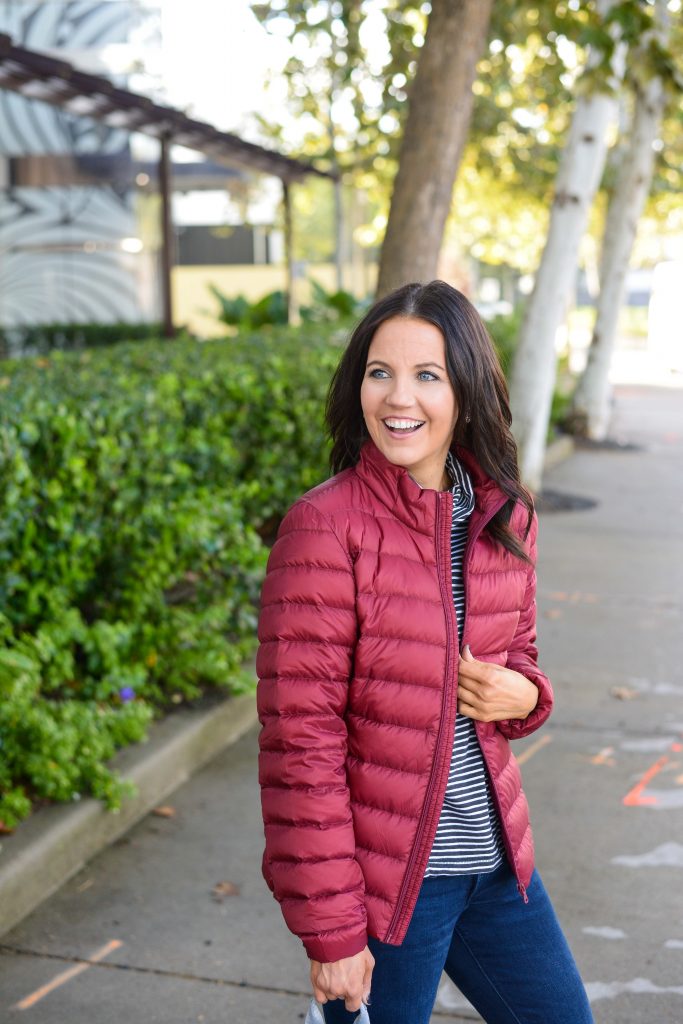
<point x="633" y="18"/>
<point x="56" y="750"/>
<point x="343" y="79"/>
<point x="45" y="338"/>
<point x="239" y="312"/>
<point x="136" y="485"/>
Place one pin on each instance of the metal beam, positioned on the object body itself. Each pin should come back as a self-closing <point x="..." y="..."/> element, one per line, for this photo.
<point x="292" y="307"/>
<point x="39" y="75"/>
<point x="339" y="234"/>
<point x="167" y="241"/>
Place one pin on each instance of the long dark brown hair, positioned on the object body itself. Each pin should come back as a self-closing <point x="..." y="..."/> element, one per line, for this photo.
<point x="484" y="417"/>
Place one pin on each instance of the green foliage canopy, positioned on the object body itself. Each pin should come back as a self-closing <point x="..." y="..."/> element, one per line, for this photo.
<point x="349" y="80"/>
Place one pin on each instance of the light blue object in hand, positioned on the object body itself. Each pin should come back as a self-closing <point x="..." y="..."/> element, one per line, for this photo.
<point x="315" y="1014"/>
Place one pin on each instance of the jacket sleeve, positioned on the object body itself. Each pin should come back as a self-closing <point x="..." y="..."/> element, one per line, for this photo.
<point x="523" y="655"/>
<point x="307" y="633"/>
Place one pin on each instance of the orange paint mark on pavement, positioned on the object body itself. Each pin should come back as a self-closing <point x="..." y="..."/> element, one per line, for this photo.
<point x="575" y="597"/>
<point x="61" y="979"/>
<point x="604" y="757"/>
<point x="634" y="797"/>
<point x="527" y="754"/>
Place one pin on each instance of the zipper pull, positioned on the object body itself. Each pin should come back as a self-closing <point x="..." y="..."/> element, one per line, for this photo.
<point x="522" y="892"/>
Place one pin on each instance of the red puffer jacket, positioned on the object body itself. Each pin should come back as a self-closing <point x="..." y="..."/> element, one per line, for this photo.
<point x="358" y="673"/>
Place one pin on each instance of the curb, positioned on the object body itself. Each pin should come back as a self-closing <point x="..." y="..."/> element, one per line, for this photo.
<point x="53" y="844"/>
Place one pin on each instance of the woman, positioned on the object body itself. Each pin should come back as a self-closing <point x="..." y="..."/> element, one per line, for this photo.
<point x="397" y="658"/>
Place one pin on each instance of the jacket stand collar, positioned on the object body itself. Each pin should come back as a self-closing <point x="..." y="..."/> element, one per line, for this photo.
<point x="415" y="505"/>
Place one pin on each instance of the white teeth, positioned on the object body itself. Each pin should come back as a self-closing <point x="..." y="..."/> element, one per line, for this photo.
<point x="403" y="424"/>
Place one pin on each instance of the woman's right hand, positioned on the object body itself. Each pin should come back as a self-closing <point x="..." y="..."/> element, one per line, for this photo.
<point x="347" y="979"/>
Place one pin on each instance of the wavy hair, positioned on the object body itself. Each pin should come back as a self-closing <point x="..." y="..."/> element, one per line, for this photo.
<point x="484" y="419"/>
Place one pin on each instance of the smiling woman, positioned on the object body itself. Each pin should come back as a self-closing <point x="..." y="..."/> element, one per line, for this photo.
<point x="397" y="660"/>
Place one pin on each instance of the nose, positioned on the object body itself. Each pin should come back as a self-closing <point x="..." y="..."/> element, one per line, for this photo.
<point x="399" y="394"/>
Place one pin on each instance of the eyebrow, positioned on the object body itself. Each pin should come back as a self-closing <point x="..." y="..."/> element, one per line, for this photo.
<point x="418" y="366"/>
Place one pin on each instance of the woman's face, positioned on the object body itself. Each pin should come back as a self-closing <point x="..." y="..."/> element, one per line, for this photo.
<point x="408" y="402"/>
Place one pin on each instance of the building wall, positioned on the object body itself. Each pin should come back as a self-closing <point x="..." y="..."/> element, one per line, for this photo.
<point x="69" y="241"/>
<point x="79" y="214"/>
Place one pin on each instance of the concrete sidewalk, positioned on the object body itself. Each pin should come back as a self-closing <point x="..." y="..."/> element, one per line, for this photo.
<point x="604" y="779"/>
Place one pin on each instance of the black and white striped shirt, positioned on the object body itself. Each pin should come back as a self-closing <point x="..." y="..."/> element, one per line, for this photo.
<point x="468" y="837"/>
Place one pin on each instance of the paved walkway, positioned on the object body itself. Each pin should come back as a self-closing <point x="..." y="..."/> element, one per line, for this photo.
<point x="604" y="779"/>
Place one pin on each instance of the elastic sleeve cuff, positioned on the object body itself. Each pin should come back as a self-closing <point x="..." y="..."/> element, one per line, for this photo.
<point x="330" y="947"/>
<point x="518" y="728"/>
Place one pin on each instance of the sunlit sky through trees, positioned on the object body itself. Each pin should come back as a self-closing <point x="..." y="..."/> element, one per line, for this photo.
<point x="217" y="59"/>
<point x="220" y="64"/>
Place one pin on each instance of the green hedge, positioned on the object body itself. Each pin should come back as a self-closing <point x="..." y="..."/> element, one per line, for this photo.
<point x="40" y="339"/>
<point x="136" y="486"/>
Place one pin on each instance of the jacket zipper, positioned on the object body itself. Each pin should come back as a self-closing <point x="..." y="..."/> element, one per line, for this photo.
<point x="450" y="616"/>
<point x="447" y="597"/>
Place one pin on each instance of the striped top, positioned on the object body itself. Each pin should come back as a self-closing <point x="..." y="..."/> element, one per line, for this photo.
<point x="468" y="837"/>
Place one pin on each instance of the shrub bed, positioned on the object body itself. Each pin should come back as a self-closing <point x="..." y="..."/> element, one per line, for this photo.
<point x="136" y="484"/>
<point x="39" y="339"/>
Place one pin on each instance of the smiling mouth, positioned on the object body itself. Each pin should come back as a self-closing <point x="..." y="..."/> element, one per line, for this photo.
<point x="401" y="428"/>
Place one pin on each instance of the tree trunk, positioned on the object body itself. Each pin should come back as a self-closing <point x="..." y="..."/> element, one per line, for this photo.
<point x="436" y="129"/>
<point x="581" y="166"/>
<point x="339" y="243"/>
<point x="591" y="404"/>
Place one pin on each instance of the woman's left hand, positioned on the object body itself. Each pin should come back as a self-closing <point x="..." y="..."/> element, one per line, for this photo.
<point x="491" y="693"/>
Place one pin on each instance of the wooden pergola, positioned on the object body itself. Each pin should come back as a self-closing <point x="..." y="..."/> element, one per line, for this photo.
<point x="41" y="77"/>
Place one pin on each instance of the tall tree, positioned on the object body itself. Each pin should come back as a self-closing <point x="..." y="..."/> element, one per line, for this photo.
<point x="581" y="166"/>
<point x="439" y="112"/>
<point x="351" y="70"/>
<point x="591" y="408"/>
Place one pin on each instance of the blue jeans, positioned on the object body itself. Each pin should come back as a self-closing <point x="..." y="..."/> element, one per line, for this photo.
<point x="509" y="958"/>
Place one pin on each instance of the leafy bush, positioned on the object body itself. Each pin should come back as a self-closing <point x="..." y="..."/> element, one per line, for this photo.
<point x="39" y="339"/>
<point x="504" y="330"/>
<point x="57" y="748"/>
<point x="325" y="308"/>
<point x="239" y="312"/>
<point x="328" y="307"/>
<point x="136" y="485"/>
